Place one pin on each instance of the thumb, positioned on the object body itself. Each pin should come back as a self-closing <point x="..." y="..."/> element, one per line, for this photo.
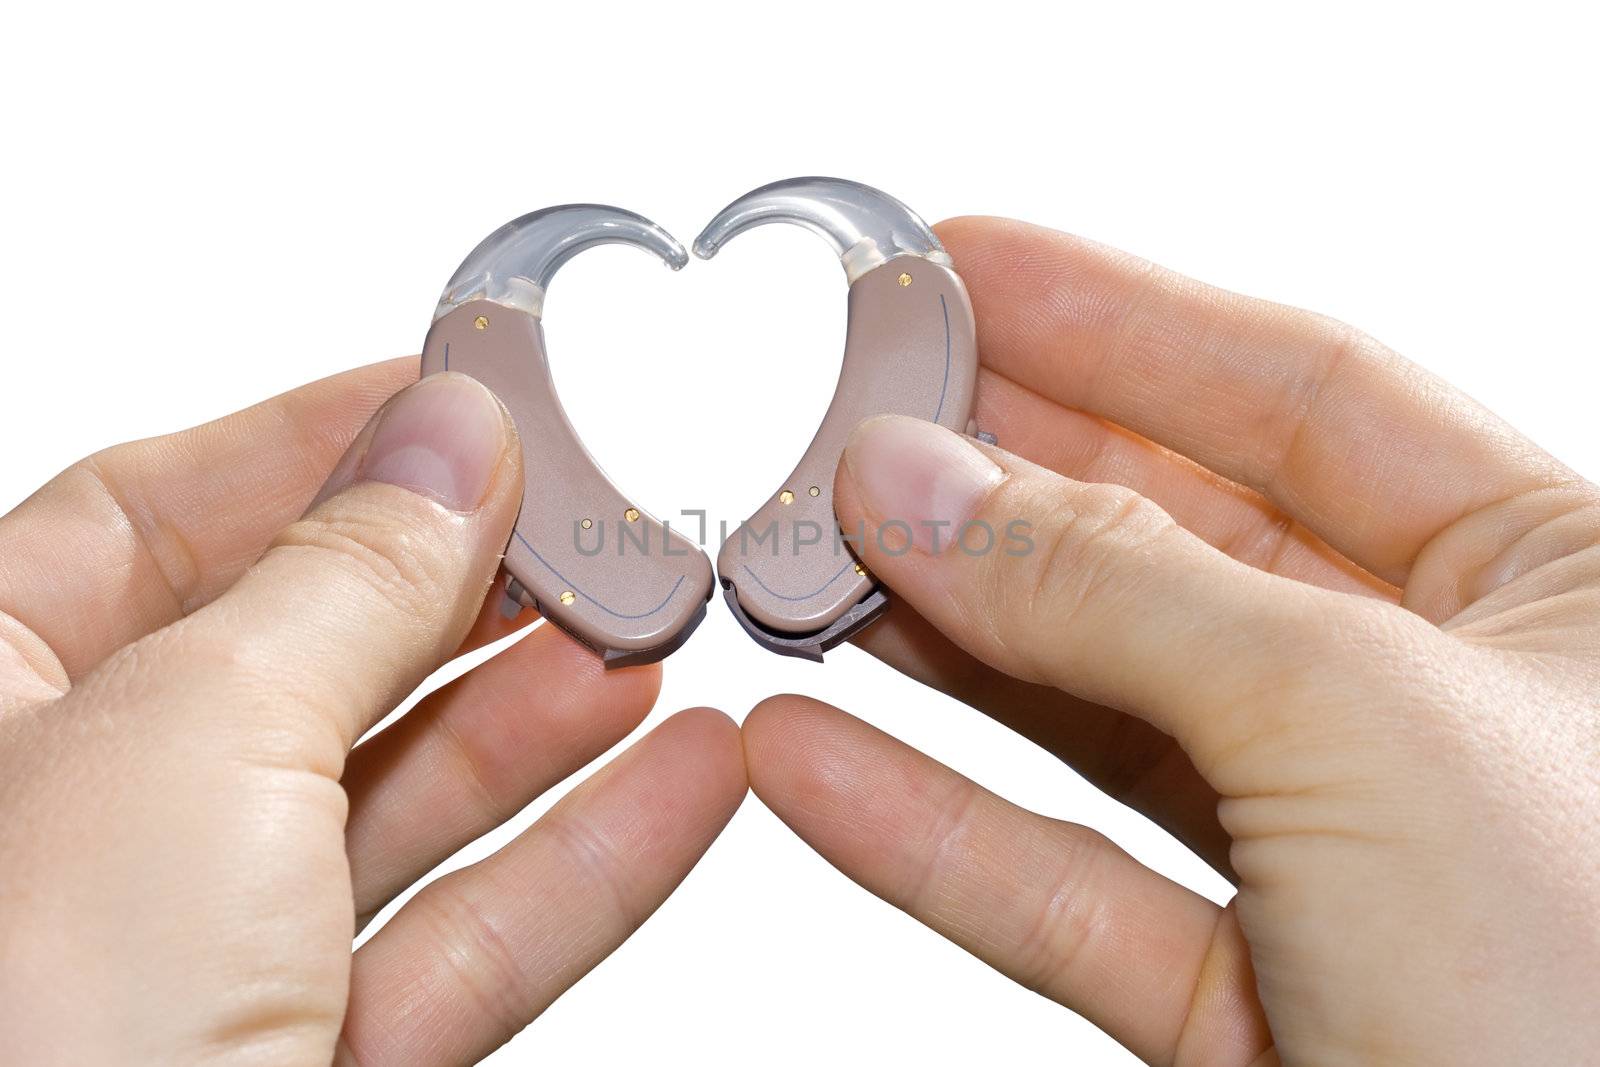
<point x="353" y="605"/>
<point x="1086" y="587"/>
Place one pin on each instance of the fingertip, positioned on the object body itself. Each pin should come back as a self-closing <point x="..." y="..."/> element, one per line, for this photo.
<point x="988" y="248"/>
<point x="865" y="425"/>
<point x="988" y="251"/>
<point x="638" y="685"/>
<point x="646" y="679"/>
<point x="960" y="232"/>
<point x="852" y="792"/>
<point x="802" y="753"/>
<point x="492" y="623"/>
<point x="778" y="702"/>
<point x="772" y="720"/>
<point x="556" y="663"/>
<point x="704" y="722"/>
<point x="707" y="746"/>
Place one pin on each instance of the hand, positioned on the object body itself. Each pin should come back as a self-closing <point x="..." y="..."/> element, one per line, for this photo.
<point x="189" y="843"/>
<point x="1324" y="618"/>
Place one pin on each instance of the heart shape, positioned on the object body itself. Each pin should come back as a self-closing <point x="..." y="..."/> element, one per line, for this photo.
<point x="787" y="574"/>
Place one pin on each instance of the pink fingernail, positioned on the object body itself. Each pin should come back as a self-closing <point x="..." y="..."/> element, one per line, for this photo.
<point x="925" y="480"/>
<point x="442" y="437"/>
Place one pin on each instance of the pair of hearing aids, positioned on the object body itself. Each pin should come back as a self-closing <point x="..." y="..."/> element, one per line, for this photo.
<point x="909" y="350"/>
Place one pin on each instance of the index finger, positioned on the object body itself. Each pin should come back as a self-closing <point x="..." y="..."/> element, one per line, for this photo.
<point x="140" y="534"/>
<point x="1371" y="452"/>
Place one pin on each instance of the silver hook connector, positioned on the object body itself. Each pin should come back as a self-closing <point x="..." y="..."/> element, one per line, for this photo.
<point x="514" y="264"/>
<point x="866" y="227"/>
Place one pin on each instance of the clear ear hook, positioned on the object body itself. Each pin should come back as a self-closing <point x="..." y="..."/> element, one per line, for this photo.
<point x="865" y="226"/>
<point x="514" y="264"/>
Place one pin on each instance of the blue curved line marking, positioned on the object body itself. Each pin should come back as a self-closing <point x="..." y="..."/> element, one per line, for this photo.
<point x="945" y="309"/>
<point x="569" y="583"/>
<point x="773" y="592"/>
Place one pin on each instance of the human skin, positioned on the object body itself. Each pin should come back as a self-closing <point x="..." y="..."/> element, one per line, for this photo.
<point x="1323" y="617"/>
<point x="1350" y="661"/>
<point x="188" y="842"/>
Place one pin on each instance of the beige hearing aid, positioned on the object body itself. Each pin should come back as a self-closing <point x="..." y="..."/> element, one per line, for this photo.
<point x="586" y="555"/>
<point x="787" y="574"/>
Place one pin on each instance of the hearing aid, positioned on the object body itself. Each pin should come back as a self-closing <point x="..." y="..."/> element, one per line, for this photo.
<point x="584" y="553"/>
<point x="788" y="573"/>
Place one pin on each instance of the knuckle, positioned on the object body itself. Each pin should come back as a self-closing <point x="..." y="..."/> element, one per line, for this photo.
<point x="162" y="543"/>
<point x="392" y="558"/>
<point x="1263" y="542"/>
<point x="596" y="865"/>
<point x="1281" y="432"/>
<point x="1068" y="917"/>
<point x="943" y="845"/>
<point x="484" y="964"/>
<point x="1090" y="540"/>
<point x="491" y="808"/>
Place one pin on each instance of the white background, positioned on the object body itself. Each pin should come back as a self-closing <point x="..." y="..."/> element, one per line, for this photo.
<point x="204" y="207"/>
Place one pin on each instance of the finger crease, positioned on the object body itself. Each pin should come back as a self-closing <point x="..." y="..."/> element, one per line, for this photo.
<point x="597" y="859"/>
<point x="1061" y="930"/>
<point x="919" y="892"/>
<point x="1272" y="464"/>
<point x="182" y="591"/>
<point x="466" y="939"/>
<point x="494" y="811"/>
<point x="1146" y="288"/>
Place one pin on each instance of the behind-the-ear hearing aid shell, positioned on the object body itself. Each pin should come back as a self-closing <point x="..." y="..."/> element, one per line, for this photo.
<point x="586" y="555"/>
<point x="787" y="575"/>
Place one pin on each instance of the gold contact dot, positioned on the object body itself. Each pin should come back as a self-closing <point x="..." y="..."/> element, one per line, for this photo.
<point x="860" y="569"/>
<point x="587" y="523"/>
<point x="905" y="280"/>
<point x="786" y="497"/>
<point x="482" y="321"/>
<point x="568" y="596"/>
<point x="814" y="491"/>
<point x="632" y="514"/>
